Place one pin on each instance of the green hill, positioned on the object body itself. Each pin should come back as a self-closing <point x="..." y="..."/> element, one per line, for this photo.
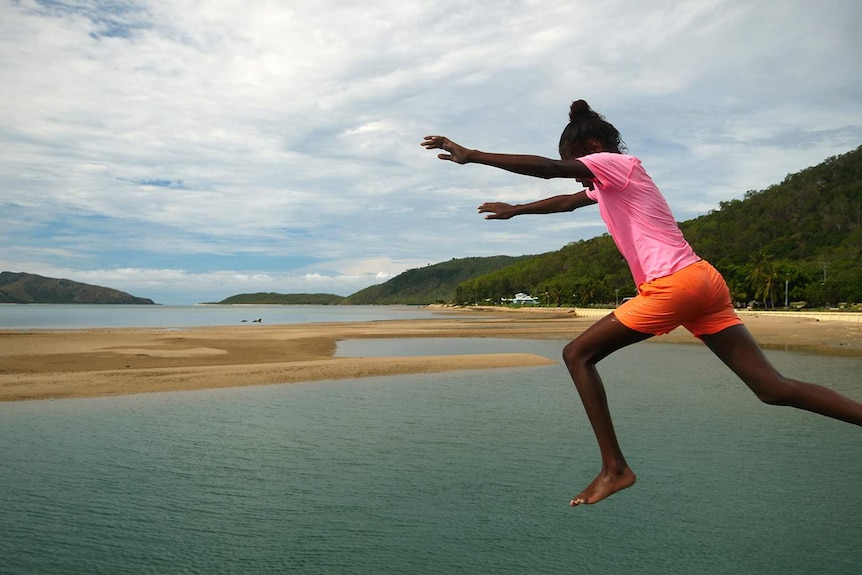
<point x="804" y="234"/>
<point x="271" y="298"/>
<point x="431" y="284"/>
<point x="32" y="288"/>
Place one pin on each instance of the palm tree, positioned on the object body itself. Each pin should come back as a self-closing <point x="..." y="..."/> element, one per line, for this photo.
<point x="762" y="276"/>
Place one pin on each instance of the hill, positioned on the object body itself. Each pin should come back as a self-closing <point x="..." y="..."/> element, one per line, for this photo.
<point x="32" y="288"/>
<point x="431" y="284"/>
<point x="271" y="298"/>
<point x="803" y="235"/>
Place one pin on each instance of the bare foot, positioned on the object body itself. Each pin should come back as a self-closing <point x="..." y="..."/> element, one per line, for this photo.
<point x="604" y="485"/>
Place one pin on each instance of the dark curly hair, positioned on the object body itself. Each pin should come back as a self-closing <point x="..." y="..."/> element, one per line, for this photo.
<point x="585" y="124"/>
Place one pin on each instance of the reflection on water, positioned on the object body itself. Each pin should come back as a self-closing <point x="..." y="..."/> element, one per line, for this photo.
<point x="464" y="472"/>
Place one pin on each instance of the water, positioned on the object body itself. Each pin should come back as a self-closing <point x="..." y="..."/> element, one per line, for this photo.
<point x="35" y="316"/>
<point x="465" y="472"/>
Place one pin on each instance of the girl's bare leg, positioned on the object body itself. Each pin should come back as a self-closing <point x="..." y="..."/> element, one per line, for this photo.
<point x="739" y="351"/>
<point x="581" y="356"/>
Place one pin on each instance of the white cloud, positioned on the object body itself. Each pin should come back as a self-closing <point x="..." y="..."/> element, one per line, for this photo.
<point x="282" y="142"/>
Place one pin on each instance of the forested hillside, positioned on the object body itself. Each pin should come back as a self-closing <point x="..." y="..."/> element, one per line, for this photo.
<point x="804" y="234"/>
<point x="431" y="284"/>
<point x="271" y="298"/>
<point x="32" y="288"/>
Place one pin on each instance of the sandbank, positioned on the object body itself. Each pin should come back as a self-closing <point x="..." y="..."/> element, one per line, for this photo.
<point x="45" y="364"/>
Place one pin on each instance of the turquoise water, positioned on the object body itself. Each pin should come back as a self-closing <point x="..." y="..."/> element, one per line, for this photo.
<point x="466" y="472"/>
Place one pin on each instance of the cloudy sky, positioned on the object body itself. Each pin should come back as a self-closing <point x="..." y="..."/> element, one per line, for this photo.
<point x="188" y="150"/>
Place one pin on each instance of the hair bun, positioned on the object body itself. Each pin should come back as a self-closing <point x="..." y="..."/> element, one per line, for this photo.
<point x="580" y="110"/>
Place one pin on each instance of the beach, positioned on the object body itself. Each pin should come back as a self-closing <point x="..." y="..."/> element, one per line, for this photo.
<point x="53" y="364"/>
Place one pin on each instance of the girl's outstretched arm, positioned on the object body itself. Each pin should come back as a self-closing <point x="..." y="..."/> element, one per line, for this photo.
<point x="552" y="205"/>
<point x="536" y="166"/>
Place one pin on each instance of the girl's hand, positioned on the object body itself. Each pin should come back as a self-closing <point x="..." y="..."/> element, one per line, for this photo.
<point x="497" y="210"/>
<point x="457" y="154"/>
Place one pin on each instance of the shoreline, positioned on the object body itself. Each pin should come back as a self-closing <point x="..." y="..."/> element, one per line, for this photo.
<point x="65" y="363"/>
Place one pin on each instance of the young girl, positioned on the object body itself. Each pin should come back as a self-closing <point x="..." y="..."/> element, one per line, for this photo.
<point x="675" y="287"/>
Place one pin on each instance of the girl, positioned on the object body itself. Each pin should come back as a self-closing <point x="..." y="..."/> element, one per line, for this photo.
<point x="675" y="287"/>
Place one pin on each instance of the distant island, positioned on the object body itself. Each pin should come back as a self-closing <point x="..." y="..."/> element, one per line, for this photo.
<point x="19" y="287"/>
<point x="271" y="298"/>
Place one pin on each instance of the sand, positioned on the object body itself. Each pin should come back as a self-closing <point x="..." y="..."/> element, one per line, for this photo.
<point x="46" y="364"/>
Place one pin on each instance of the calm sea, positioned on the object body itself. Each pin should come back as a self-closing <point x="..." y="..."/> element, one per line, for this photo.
<point x="43" y="316"/>
<point x="465" y="472"/>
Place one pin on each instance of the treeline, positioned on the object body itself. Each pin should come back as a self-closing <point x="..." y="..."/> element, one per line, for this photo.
<point x="272" y="298"/>
<point x="20" y="287"/>
<point x="582" y="273"/>
<point x="431" y="284"/>
<point x="797" y="241"/>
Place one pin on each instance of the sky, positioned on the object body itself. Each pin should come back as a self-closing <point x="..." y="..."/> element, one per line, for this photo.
<point x="189" y="150"/>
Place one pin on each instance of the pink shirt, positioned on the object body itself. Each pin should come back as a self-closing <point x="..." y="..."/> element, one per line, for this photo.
<point x="638" y="217"/>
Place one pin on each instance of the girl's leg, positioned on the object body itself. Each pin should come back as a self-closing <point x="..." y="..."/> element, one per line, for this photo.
<point x="739" y="351"/>
<point x="581" y="355"/>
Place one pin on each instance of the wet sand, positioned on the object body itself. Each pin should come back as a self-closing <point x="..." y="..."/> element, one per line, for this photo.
<point x="44" y="364"/>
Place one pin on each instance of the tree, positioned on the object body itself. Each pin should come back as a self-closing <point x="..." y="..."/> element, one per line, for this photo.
<point x="762" y="275"/>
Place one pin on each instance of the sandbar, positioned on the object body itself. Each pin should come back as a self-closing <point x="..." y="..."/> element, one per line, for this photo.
<point x="48" y="364"/>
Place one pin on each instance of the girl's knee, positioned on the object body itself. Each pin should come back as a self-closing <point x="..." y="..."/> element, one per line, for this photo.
<point x="574" y="353"/>
<point x="569" y="352"/>
<point x="781" y="391"/>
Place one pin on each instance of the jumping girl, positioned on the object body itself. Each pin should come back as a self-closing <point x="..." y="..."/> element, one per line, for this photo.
<point x="675" y="286"/>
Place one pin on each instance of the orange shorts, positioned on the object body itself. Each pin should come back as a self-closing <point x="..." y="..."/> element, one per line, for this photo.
<point x="696" y="297"/>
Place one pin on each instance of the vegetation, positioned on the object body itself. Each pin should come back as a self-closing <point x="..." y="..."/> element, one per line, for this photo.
<point x="32" y="288"/>
<point x="804" y="234"/>
<point x="797" y="241"/>
<point x="270" y="298"/>
<point x="581" y="273"/>
<point x="431" y="284"/>
<point x="421" y="286"/>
